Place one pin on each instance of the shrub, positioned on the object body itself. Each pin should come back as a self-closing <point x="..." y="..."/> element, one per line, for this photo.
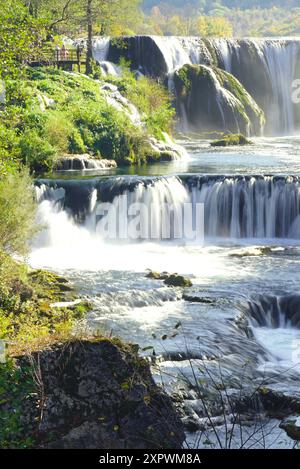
<point x="57" y="130"/>
<point x="17" y="210"/>
<point x="36" y="152"/>
<point x="76" y="143"/>
<point x="151" y="99"/>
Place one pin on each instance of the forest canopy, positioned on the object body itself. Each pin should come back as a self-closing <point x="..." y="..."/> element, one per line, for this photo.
<point x="242" y="18"/>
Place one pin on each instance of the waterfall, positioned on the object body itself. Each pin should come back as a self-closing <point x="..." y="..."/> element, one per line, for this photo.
<point x="100" y="53"/>
<point x="265" y="67"/>
<point x="280" y="58"/>
<point x="273" y="311"/>
<point x="234" y="207"/>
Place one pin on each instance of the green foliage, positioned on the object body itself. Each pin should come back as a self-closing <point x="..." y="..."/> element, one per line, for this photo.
<point x="17" y="209"/>
<point x="150" y="98"/>
<point x="52" y="113"/>
<point x="36" y="152"/>
<point x="20" y="35"/>
<point x="16" y="386"/>
<point x="27" y="314"/>
<point x="221" y="18"/>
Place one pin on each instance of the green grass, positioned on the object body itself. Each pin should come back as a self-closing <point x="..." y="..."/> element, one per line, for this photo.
<point x="51" y="113"/>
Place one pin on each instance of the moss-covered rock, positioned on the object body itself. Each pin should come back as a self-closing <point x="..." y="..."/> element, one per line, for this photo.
<point x="175" y="280"/>
<point x="37" y="307"/>
<point x="172" y="280"/>
<point x="292" y="427"/>
<point x="231" y="140"/>
<point x="212" y="99"/>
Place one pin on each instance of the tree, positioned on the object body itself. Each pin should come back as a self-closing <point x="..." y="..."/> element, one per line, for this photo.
<point x="110" y="17"/>
<point x="17" y="214"/>
<point x="20" y="36"/>
<point x="214" y="26"/>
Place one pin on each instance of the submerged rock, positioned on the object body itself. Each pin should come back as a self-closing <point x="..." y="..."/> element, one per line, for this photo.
<point x="98" y="394"/>
<point x="210" y="98"/>
<point x="292" y="427"/>
<point x="194" y="298"/>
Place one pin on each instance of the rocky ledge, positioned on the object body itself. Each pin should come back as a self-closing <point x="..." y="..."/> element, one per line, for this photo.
<point x="97" y="394"/>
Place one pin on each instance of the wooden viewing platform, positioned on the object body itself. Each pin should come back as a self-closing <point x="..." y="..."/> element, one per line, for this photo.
<point x="64" y="59"/>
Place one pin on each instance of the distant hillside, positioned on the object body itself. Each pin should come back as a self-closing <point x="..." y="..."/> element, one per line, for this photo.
<point x="209" y="5"/>
<point x="222" y="17"/>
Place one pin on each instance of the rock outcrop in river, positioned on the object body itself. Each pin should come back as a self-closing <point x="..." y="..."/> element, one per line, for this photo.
<point x="208" y="97"/>
<point x="97" y="394"/>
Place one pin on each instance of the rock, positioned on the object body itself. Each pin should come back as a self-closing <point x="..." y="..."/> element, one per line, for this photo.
<point x="231" y="140"/>
<point x="198" y="299"/>
<point x="280" y="400"/>
<point x="166" y="150"/>
<point x="292" y="427"/>
<point x="142" y="52"/>
<point x="157" y="275"/>
<point x="175" y="280"/>
<point x="209" y="98"/>
<point x="82" y="162"/>
<point x="252" y="251"/>
<point x="98" y="394"/>
<point x="172" y="280"/>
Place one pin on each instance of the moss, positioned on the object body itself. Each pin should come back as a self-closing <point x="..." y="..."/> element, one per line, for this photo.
<point x="172" y="280"/>
<point x="231" y="140"/>
<point x="212" y="51"/>
<point x="31" y="312"/>
<point x="157" y="275"/>
<point x="175" y="280"/>
<point x="187" y="75"/>
<point x="229" y="82"/>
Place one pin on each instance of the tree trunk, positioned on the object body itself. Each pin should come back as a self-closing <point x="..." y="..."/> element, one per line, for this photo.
<point x="89" y="54"/>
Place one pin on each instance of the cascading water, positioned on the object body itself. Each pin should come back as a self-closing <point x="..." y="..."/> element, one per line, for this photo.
<point x="266" y="68"/>
<point x="275" y="322"/>
<point x="100" y="51"/>
<point x="234" y="207"/>
<point x="280" y="58"/>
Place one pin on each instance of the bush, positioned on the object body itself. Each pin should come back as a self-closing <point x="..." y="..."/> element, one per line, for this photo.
<point x="17" y="210"/>
<point x="57" y="130"/>
<point x="78" y="118"/>
<point x="36" y="152"/>
<point x="76" y="143"/>
<point x="151" y="99"/>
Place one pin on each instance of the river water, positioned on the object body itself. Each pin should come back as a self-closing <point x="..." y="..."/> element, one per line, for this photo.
<point x="232" y="277"/>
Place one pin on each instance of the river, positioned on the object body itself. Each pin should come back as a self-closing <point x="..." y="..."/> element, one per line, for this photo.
<point x="237" y="271"/>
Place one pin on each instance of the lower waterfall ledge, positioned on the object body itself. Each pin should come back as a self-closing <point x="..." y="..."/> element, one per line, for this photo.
<point x="96" y="393"/>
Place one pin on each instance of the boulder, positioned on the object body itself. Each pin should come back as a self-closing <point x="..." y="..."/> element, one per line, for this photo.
<point x="230" y="140"/>
<point x="195" y="298"/>
<point x="292" y="427"/>
<point x="172" y="280"/>
<point x="209" y="98"/>
<point x="98" y="394"/>
<point x="142" y="52"/>
<point x="175" y="280"/>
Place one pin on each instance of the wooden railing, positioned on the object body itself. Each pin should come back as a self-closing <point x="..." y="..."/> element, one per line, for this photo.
<point x="62" y="58"/>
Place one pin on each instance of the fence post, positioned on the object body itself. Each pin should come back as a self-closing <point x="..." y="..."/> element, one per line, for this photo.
<point x="78" y="52"/>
